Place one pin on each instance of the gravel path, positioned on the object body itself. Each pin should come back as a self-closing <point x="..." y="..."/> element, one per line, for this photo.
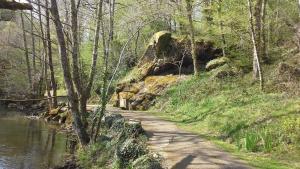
<point x="181" y="149"/>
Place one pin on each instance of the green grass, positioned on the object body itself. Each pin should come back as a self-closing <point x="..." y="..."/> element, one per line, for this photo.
<point x="262" y="128"/>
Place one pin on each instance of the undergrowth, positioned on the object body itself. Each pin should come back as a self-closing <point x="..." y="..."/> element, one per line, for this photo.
<point x="234" y="110"/>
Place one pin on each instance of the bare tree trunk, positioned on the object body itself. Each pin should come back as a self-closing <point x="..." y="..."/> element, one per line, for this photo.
<point x="136" y="43"/>
<point x="45" y="56"/>
<point x="222" y="28"/>
<point x="26" y="53"/>
<point x="75" y="62"/>
<point x="265" y="56"/>
<point x="299" y="7"/>
<point x="106" y="47"/>
<point x="33" y="44"/>
<point x="50" y="60"/>
<point x="257" y="72"/>
<point x="75" y="48"/>
<point x="46" y="79"/>
<point x="95" y="52"/>
<point x="78" y="126"/>
<point x="189" y="10"/>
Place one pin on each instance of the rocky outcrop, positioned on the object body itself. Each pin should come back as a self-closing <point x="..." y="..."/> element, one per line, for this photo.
<point x="164" y="62"/>
<point x="141" y="95"/>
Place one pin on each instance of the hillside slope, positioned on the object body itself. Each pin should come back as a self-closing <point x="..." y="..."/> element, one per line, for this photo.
<point x="234" y="110"/>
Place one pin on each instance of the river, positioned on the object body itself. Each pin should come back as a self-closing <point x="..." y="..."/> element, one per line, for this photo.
<point x="29" y="144"/>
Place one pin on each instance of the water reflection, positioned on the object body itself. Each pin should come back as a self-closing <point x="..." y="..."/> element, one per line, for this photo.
<point x="29" y="144"/>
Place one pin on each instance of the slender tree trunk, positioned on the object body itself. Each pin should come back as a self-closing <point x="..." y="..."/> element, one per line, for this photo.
<point x="75" y="48"/>
<point x="46" y="80"/>
<point x="78" y="126"/>
<point x="257" y="72"/>
<point x="189" y="10"/>
<point x="299" y="7"/>
<point x="222" y="28"/>
<point x="50" y="60"/>
<point x="95" y="51"/>
<point x="265" y="57"/>
<point x="33" y="44"/>
<point x="106" y="51"/>
<point x="26" y="53"/>
<point x="258" y="25"/>
<point x="136" y="44"/>
<point x="45" y="56"/>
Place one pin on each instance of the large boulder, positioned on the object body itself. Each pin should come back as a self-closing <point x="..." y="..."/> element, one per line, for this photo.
<point x="162" y="65"/>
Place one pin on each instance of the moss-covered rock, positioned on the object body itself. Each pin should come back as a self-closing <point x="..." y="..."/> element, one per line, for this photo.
<point x="216" y="63"/>
<point x="130" y="150"/>
<point x="133" y="128"/>
<point x="147" y="161"/>
<point x="110" y="118"/>
<point x="225" y="71"/>
<point x="118" y="125"/>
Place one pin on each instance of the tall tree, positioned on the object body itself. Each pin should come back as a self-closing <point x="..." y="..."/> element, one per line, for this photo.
<point x="221" y="27"/>
<point x="106" y="42"/>
<point x="50" y="59"/>
<point x="26" y="52"/>
<point x="189" y="10"/>
<point x="32" y="42"/>
<point x="72" y="96"/>
<point x="257" y="72"/>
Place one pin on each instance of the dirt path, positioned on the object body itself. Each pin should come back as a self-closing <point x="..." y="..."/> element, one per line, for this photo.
<point x="182" y="149"/>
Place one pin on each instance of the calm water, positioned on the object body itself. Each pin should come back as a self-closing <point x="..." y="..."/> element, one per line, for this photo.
<point x="29" y="144"/>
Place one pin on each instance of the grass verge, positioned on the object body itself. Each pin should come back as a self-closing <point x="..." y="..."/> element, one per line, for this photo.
<point x="262" y="128"/>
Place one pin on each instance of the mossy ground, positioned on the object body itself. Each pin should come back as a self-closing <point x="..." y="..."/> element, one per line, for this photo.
<point x="260" y="127"/>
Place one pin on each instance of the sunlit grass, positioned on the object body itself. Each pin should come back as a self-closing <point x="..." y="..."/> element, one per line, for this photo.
<point x="235" y="111"/>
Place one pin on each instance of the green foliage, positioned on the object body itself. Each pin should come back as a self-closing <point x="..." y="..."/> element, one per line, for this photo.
<point x="251" y="141"/>
<point x="234" y="109"/>
<point x="95" y="156"/>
